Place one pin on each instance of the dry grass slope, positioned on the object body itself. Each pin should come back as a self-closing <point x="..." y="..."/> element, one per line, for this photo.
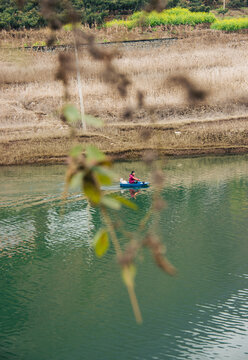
<point x="31" y="130"/>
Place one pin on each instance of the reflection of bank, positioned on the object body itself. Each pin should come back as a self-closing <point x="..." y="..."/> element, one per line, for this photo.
<point x="74" y="226"/>
<point x="16" y="238"/>
<point x="41" y="228"/>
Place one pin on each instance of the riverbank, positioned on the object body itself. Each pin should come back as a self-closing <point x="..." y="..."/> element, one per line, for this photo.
<point x="130" y="142"/>
<point x="31" y="130"/>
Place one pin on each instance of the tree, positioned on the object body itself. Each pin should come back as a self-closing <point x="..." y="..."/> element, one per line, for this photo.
<point x="89" y="11"/>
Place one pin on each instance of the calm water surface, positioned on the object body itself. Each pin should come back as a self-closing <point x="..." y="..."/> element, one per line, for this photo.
<point x="59" y="302"/>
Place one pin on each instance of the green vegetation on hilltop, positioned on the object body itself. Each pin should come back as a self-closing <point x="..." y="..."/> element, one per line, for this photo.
<point x="179" y="16"/>
<point x="190" y="12"/>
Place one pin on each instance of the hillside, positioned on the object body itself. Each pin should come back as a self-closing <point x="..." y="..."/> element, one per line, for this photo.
<point x="32" y="131"/>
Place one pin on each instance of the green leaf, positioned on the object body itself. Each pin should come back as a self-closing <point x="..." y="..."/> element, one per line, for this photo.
<point x="93" y="153"/>
<point x="101" y="242"/>
<point x="76" y="151"/>
<point x="104" y="175"/>
<point x="93" y="121"/>
<point x="126" y="202"/>
<point x="111" y="203"/>
<point x="71" y="114"/>
<point x="76" y="180"/>
<point x="128" y="275"/>
<point x="91" y="189"/>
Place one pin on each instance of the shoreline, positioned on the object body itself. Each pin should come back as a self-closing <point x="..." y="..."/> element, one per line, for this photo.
<point x="129" y="141"/>
<point x="138" y="153"/>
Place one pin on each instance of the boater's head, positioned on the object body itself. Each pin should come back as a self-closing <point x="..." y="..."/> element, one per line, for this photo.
<point x="133" y="173"/>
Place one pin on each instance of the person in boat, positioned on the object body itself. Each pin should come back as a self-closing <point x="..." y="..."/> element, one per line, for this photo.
<point x="132" y="178"/>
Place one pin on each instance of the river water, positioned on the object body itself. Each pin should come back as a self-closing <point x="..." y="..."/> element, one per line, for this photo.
<point x="58" y="301"/>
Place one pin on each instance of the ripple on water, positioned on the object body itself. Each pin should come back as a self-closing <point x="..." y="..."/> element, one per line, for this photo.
<point x="58" y="301"/>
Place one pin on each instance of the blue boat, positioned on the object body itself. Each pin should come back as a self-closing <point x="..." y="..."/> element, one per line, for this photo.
<point x="138" y="184"/>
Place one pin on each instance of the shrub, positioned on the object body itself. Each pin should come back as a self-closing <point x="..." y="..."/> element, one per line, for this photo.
<point x="90" y="11"/>
<point x="222" y="11"/>
<point x="198" y="6"/>
<point x="231" y="24"/>
<point x="12" y="17"/>
<point x="176" y="16"/>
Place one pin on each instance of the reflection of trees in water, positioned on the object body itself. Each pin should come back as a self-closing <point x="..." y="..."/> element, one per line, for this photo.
<point x="203" y="217"/>
<point x="40" y="228"/>
<point x="238" y="199"/>
<point x="40" y="220"/>
<point x="17" y="233"/>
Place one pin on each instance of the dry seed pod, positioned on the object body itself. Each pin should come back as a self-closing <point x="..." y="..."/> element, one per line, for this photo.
<point x="127" y="258"/>
<point x="96" y="52"/>
<point x="48" y="10"/>
<point x="65" y="67"/>
<point x="193" y="93"/>
<point x="140" y="98"/>
<point x="110" y="75"/>
<point x="123" y="83"/>
<point x="151" y="241"/>
<point x="128" y="113"/>
<point x="164" y="264"/>
<point x="71" y="171"/>
<point x="118" y="223"/>
<point x="149" y="156"/>
<point x="82" y="37"/>
<point x="51" y="40"/>
<point x="159" y="204"/>
<point x="72" y="16"/>
<point x="158" y="251"/>
<point x="55" y="23"/>
<point x="158" y="178"/>
<point x="158" y="5"/>
<point x="146" y="134"/>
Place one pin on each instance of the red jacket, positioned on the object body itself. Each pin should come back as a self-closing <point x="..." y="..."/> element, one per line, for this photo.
<point x="131" y="179"/>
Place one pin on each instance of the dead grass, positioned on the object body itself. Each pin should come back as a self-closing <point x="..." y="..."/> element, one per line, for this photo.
<point x="31" y="131"/>
<point x="23" y="38"/>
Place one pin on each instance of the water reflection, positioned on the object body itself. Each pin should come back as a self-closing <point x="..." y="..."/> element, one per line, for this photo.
<point x="58" y="301"/>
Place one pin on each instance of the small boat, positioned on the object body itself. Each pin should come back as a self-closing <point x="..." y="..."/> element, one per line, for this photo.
<point x="138" y="184"/>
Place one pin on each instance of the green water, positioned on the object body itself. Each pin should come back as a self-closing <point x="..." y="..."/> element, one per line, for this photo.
<point x="59" y="302"/>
